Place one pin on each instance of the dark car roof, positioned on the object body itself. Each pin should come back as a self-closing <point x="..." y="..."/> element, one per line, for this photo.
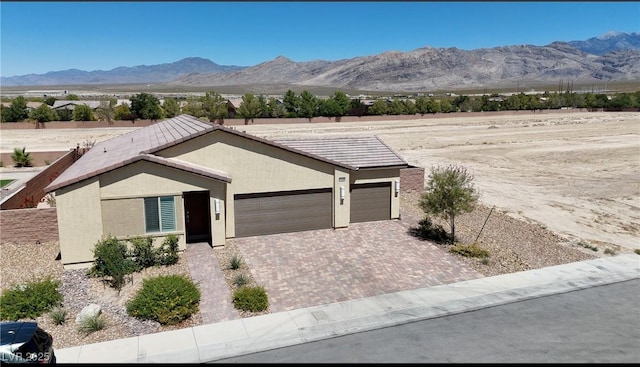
<point x="17" y="332"/>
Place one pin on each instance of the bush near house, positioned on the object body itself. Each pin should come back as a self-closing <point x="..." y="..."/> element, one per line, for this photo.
<point x="472" y="250"/>
<point x="252" y="299"/>
<point x="30" y="300"/>
<point x="113" y="259"/>
<point x="166" y="299"/>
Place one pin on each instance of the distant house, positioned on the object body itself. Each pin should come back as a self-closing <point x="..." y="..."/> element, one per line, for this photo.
<point x="121" y="101"/>
<point x="233" y="104"/>
<point x="70" y="105"/>
<point x="30" y="105"/>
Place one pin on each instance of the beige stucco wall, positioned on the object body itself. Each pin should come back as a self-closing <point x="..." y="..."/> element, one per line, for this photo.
<point x="79" y="220"/>
<point x="253" y="166"/>
<point x="130" y="184"/>
<point x="381" y="175"/>
<point x="341" y="217"/>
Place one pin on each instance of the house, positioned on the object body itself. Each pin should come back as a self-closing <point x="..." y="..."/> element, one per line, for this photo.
<point x="206" y="182"/>
<point x="233" y="105"/>
<point x="70" y="105"/>
<point x="30" y="105"/>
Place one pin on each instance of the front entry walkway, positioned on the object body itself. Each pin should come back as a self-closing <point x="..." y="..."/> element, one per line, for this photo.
<point x="215" y="298"/>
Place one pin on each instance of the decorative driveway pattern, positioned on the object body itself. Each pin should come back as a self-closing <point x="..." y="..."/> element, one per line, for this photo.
<point x="311" y="268"/>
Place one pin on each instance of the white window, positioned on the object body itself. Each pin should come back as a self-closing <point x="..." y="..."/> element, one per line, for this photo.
<point x="159" y="214"/>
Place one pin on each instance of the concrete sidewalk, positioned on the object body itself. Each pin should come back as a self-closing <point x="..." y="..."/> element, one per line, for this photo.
<point x="206" y="343"/>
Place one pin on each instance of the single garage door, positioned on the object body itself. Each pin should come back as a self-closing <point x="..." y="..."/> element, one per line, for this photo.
<point x="370" y="202"/>
<point x="282" y="212"/>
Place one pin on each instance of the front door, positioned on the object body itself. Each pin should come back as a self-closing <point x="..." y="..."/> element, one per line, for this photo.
<point x="197" y="216"/>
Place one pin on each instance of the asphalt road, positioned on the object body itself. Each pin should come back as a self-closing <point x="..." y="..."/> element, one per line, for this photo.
<point x="594" y="325"/>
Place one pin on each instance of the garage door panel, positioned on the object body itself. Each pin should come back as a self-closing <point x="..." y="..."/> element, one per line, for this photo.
<point x="260" y="214"/>
<point x="370" y="202"/>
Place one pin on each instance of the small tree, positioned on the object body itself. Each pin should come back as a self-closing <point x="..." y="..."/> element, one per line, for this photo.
<point x="43" y="114"/>
<point x="83" y="113"/>
<point x="106" y="111"/>
<point x="171" y="107"/>
<point x="249" y="108"/>
<point x="449" y="192"/>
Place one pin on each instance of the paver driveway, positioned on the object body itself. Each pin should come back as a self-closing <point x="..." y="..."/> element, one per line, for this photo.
<point x="311" y="268"/>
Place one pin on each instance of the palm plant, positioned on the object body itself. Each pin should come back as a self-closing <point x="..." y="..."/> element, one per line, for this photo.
<point x="21" y="158"/>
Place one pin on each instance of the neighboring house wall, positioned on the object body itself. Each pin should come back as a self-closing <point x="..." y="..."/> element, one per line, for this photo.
<point x="23" y="226"/>
<point x="80" y="221"/>
<point x="412" y="179"/>
<point x="33" y="190"/>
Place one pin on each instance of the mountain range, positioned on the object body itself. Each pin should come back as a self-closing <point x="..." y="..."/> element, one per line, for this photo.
<point x="614" y="56"/>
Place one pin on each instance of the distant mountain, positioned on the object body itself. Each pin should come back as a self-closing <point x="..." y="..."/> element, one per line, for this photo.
<point x="435" y="68"/>
<point x="614" y="56"/>
<point x="136" y="74"/>
<point x="608" y="42"/>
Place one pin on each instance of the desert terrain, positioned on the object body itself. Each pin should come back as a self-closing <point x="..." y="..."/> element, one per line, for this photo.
<point x="578" y="174"/>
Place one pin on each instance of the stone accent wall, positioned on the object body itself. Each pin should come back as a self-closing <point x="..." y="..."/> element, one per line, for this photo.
<point x="28" y="225"/>
<point x="412" y="179"/>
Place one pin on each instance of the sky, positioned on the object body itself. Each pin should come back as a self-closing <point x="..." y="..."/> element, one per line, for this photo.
<point x="38" y="37"/>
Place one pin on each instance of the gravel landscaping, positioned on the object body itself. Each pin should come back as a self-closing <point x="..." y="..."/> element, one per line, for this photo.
<point x="514" y="245"/>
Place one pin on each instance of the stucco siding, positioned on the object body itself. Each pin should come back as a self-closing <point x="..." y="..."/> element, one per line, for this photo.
<point x="79" y="220"/>
<point x="122" y="217"/>
<point x="145" y="179"/>
<point x="253" y="166"/>
<point x="341" y="206"/>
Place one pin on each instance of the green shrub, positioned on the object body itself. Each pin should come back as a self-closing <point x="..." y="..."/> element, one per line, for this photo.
<point x="111" y="260"/>
<point x="472" y="250"/>
<point x="252" y="299"/>
<point x="167" y="299"/>
<point x="58" y="315"/>
<point x="30" y="300"/>
<point x="169" y="250"/>
<point x="235" y="262"/>
<point x="90" y="324"/>
<point x="426" y="230"/>
<point x="637" y="251"/>
<point x="240" y="280"/>
<point x="609" y="251"/>
<point x="143" y="252"/>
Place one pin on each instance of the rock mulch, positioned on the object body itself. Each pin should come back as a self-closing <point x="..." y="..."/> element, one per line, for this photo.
<point x="514" y="245"/>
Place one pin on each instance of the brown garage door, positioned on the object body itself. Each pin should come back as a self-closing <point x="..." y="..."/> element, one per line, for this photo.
<point x="281" y="212"/>
<point x="370" y="202"/>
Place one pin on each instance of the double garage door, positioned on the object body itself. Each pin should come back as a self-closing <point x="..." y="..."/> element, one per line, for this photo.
<point x="304" y="210"/>
<point x="281" y="212"/>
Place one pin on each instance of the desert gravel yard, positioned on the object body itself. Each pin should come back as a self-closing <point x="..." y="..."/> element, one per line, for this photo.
<point x="306" y="268"/>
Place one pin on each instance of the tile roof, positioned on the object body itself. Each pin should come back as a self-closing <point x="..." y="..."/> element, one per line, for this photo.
<point x="63" y="103"/>
<point x="140" y="144"/>
<point x="360" y="152"/>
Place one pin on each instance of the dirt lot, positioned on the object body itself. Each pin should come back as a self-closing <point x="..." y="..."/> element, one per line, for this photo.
<point x="576" y="173"/>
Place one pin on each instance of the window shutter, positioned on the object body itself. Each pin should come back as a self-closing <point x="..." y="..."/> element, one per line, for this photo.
<point x="151" y="218"/>
<point x="167" y="213"/>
